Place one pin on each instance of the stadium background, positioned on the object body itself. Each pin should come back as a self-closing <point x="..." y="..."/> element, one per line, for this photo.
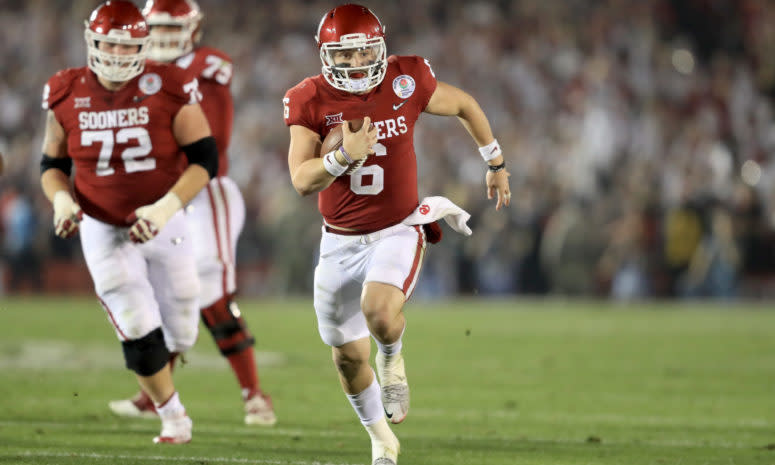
<point x="639" y="134"/>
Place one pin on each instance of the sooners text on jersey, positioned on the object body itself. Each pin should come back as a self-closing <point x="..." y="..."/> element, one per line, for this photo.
<point x="384" y="191"/>
<point x="121" y="143"/>
<point x="213" y="70"/>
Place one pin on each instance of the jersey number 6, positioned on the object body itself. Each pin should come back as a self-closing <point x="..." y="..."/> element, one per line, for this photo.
<point x="375" y="171"/>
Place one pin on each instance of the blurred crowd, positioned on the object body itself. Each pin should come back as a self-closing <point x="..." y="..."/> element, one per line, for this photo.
<point x="640" y="136"/>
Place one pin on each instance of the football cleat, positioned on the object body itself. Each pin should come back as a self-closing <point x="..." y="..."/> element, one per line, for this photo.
<point x="139" y="406"/>
<point x="175" y="431"/>
<point x="384" y="461"/>
<point x="385" y="452"/>
<point x="259" y="410"/>
<point x="395" y="389"/>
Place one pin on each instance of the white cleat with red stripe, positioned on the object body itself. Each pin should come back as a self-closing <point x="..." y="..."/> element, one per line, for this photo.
<point x="140" y="406"/>
<point x="259" y="410"/>
<point x="395" y="389"/>
<point x="175" y="431"/>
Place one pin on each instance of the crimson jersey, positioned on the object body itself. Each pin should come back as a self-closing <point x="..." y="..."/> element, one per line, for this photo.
<point x="213" y="70"/>
<point x="121" y="142"/>
<point x="384" y="191"/>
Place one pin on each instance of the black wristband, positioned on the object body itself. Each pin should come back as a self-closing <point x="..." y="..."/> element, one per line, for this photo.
<point x="496" y="168"/>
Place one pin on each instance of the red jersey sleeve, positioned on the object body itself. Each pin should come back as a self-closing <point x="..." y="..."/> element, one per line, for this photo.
<point x="425" y="79"/>
<point x="297" y="107"/>
<point x="58" y="87"/>
<point x="210" y="64"/>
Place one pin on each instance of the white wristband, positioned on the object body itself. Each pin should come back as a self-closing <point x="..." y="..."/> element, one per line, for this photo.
<point x="62" y="201"/>
<point x="491" y="150"/>
<point x="168" y="205"/>
<point x="332" y="165"/>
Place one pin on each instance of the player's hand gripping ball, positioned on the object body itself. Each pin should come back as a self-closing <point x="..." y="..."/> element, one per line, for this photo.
<point x="335" y="138"/>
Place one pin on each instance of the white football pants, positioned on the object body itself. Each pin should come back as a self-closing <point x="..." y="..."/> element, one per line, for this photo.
<point x="216" y="217"/>
<point x="392" y="256"/>
<point x="145" y="286"/>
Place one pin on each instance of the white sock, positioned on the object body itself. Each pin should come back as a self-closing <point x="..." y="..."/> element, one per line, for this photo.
<point x="368" y="404"/>
<point x="172" y="408"/>
<point x="391" y="349"/>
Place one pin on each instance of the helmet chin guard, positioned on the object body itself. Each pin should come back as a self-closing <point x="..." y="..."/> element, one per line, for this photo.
<point x="359" y="79"/>
<point x="111" y="66"/>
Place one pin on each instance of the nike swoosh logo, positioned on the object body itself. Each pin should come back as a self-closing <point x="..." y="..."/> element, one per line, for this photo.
<point x="396" y="107"/>
<point x="389" y="415"/>
<point x="137" y="99"/>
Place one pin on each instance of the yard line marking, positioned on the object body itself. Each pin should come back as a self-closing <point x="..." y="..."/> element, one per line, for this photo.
<point x="138" y="428"/>
<point x="469" y="414"/>
<point x="166" y="458"/>
<point x="143" y="427"/>
<point x="58" y="355"/>
<point x="594" y="417"/>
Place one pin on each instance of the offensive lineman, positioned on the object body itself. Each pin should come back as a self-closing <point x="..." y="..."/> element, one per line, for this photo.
<point x="128" y="127"/>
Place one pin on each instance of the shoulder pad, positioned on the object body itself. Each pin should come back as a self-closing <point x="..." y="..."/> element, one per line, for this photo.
<point x="406" y="62"/>
<point x="58" y="87"/>
<point x="208" y="64"/>
<point x="296" y="107"/>
<point x="175" y="81"/>
<point x="213" y="51"/>
<point x="306" y="89"/>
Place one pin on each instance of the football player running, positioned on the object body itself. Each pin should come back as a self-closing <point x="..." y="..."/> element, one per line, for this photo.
<point x="130" y="127"/>
<point x="217" y="214"/>
<point x="375" y="229"/>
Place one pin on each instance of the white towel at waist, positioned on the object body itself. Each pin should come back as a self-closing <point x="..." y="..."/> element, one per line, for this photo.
<point x="437" y="207"/>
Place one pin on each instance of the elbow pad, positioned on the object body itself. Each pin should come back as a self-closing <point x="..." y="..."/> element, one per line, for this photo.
<point x="63" y="164"/>
<point x="204" y="153"/>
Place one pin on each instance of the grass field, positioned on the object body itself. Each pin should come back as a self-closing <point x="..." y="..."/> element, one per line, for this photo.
<point x="493" y="382"/>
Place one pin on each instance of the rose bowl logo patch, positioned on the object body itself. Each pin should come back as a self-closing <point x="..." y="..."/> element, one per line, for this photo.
<point x="403" y="86"/>
<point x="150" y="83"/>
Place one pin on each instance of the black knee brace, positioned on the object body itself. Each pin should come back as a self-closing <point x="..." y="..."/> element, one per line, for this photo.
<point x="228" y="328"/>
<point x="147" y="355"/>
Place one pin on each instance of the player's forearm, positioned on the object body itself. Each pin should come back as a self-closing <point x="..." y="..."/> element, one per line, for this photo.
<point x="193" y="180"/>
<point x="475" y="121"/>
<point x="52" y="181"/>
<point x="311" y="177"/>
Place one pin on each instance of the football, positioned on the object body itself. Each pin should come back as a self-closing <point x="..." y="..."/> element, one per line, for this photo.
<point x="334" y="140"/>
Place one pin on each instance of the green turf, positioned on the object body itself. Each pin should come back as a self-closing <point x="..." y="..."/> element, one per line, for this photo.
<point x="493" y="382"/>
